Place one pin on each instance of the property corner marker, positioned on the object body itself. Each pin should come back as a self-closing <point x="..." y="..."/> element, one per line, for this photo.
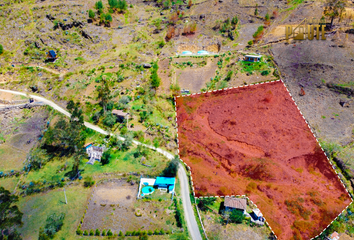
<point x="244" y="196"/>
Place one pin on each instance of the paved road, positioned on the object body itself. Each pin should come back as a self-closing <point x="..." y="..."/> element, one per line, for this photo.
<point x="187" y="205"/>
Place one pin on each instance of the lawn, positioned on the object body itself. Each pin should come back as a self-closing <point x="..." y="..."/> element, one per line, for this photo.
<point x="121" y="162"/>
<point x="11" y="158"/>
<point x="37" y="207"/>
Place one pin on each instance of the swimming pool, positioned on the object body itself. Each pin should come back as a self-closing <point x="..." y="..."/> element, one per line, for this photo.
<point x="147" y="190"/>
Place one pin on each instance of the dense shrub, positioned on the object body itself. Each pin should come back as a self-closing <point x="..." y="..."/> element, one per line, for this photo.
<point x="97" y="233"/>
<point x="104" y="232"/>
<point x="92" y="232"/>
<point x="53" y="224"/>
<point x="1" y="49"/>
<point x="88" y="181"/>
<point x="109" y="233"/>
<point x="237" y="216"/>
<point x="85" y="233"/>
<point x="91" y="14"/>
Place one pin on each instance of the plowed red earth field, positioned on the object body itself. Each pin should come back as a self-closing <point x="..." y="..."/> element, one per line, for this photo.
<point x="253" y="140"/>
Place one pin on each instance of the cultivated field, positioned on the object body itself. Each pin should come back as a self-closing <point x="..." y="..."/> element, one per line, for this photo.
<point x="254" y="141"/>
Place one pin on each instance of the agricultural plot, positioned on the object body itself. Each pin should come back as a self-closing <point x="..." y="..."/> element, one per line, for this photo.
<point x="253" y="140"/>
<point x="114" y="206"/>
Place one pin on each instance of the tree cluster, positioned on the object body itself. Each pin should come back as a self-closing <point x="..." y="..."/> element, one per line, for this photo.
<point x="172" y="168"/>
<point x="258" y="34"/>
<point x="10" y="215"/>
<point x="53" y="225"/>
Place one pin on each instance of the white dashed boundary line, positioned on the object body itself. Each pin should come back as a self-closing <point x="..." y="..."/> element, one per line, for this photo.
<point x="244" y="196"/>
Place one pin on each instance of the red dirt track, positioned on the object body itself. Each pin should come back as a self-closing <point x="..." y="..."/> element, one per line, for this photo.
<point x="253" y="140"/>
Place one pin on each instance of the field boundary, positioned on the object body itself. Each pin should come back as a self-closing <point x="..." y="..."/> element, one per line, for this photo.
<point x="308" y="125"/>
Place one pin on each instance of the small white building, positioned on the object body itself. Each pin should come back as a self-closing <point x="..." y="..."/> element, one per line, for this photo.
<point x="253" y="58"/>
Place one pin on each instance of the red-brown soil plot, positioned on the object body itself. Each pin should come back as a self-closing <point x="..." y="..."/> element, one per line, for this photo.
<point x="253" y="140"/>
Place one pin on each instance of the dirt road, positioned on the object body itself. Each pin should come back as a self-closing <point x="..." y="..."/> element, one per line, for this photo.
<point x="187" y="205"/>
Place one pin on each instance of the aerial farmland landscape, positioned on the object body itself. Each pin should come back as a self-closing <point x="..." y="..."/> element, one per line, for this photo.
<point x="177" y="119"/>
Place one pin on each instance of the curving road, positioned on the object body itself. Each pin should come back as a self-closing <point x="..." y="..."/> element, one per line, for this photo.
<point x="187" y="205"/>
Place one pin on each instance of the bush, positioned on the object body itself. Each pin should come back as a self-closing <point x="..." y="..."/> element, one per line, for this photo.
<point x="120" y="233"/>
<point x="150" y="232"/>
<point x="108" y="17"/>
<point x="1" y="49"/>
<point x="88" y="181"/>
<point x="162" y="232"/>
<point x="104" y="232"/>
<point x="106" y="157"/>
<point x="54" y="223"/>
<point x="156" y="232"/>
<point x="109" y="233"/>
<point x="229" y="75"/>
<point x="79" y="231"/>
<point x="172" y="168"/>
<point x="85" y="233"/>
<point x="237" y="216"/>
<point x="92" y="232"/>
<point x="97" y="233"/>
<point x="265" y="72"/>
<point x="127" y="233"/>
<point x="250" y="42"/>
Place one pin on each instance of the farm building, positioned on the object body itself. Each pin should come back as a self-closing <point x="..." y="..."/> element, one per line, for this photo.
<point x="253" y="58"/>
<point x="333" y="236"/>
<point x="94" y="153"/>
<point x="257" y="217"/>
<point x="120" y="114"/>
<point x="232" y="203"/>
<point x="51" y="55"/>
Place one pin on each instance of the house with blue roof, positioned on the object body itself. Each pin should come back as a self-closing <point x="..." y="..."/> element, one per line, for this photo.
<point x="165" y="183"/>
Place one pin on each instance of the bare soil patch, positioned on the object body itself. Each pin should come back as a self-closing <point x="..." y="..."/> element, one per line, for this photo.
<point x="114" y="206"/>
<point x="254" y="141"/>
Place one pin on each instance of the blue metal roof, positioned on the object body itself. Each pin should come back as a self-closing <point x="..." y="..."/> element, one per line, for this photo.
<point x="187" y="52"/>
<point x="202" y="52"/>
<point x="165" y="181"/>
<point x="52" y="54"/>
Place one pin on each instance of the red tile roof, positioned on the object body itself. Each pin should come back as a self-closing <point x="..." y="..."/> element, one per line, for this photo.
<point x="238" y="203"/>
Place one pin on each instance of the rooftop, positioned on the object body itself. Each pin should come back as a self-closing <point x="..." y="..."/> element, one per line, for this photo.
<point x="165" y="181"/>
<point x="119" y="113"/>
<point x="239" y="203"/>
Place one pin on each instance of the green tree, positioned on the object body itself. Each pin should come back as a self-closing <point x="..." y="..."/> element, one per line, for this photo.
<point x="109" y="119"/>
<point x="122" y="5"/>
<point x="10" y="215"/>
<point x="104" y="93"/>
<point x="333" y="9"/>
<point x="99" y="5"/>
<point x="113" y="4"/>
<point x="267" y="17"/>
<point x="97" y="233"/>
<point x="166" y="4"/>
<point x="108" y="18"/>
<point x="237" y="216"/>
<point x="229" y="75"/>
<point x="234" y="21"/>
<point x="172" y="168"/>
<point x="106" y="157"/>
<point x="1" y="49"/>
<point x="154" y="77"/>
<point x="256" y="10"/>
<point x="109" y="233"/>
<point x="91" y="14"/>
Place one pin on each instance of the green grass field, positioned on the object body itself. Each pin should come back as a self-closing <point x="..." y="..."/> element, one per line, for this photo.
<point x="37" y="207"/>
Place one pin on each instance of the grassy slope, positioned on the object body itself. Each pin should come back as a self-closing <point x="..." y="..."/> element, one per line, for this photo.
<point x="37" y="207"/>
